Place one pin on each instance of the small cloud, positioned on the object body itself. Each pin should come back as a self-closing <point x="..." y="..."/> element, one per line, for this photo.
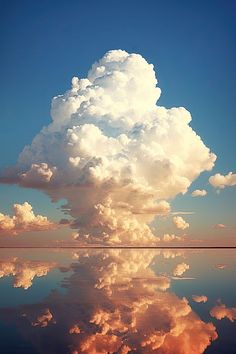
<point x="199" y="193"/>
<point x="64" y="222"/>
<point x="169" y="238"/>
<point x="180" y="269"/>
<point x="75" y="329"/>
<point x="220" y="181"/>
<point x="221" y="311"/>
<point x="43" y="319"/>
<point x="24" y="220"/>
<point x="221" y="266"/>
<point x="199" y="298"/>
<point x="219" y="226"/>
<point x="180" y="223"/>
<point x="183" y="213"/>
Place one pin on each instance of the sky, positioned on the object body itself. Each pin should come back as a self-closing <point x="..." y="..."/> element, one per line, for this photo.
<point x="192" y="48"/>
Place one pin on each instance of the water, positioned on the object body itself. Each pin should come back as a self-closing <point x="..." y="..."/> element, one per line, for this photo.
<point x="117" y="301"/>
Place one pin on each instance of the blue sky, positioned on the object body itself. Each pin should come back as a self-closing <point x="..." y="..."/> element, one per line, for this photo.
<point x="191" y="44"/>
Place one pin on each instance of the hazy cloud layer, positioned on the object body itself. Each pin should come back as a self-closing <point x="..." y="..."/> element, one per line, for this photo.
<point x="109" y="152"/>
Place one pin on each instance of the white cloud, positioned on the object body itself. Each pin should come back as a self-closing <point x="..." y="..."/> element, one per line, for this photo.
<point x="23" y="220"/>
<point x="180" y="223"/>
<point x="220" y="181"/>
<point x="109" y="151"/>
<point x="199" y="193"/>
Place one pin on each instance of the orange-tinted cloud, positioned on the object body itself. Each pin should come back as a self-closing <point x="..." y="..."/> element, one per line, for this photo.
<point x="221" y="311"/>
<point x="180" y="269"/>
<point x="24" y="271"/>
<point x="199" y="298"/>
<point x="114" y="302"/>
<point x="43" y="319"/>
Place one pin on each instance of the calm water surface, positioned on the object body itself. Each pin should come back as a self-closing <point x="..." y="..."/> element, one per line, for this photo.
<point x="117" y="301"/>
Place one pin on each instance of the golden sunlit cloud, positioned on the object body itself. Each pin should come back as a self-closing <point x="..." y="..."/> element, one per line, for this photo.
<point x="180" y="223"/>
<point x="180" y="269"/>
<point x="24" y="220"/>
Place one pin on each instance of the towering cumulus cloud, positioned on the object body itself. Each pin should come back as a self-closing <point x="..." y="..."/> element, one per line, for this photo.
<point x="112" y="153"/>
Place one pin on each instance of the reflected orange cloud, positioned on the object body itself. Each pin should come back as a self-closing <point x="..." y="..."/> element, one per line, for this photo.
<point x="221" y="311"/>
<point x="43" y="319"/>
<point x="180" y="269"/>
<point x="24" y="271"/>
<point x="114" y="302"/>
<point x="199" y="298"/>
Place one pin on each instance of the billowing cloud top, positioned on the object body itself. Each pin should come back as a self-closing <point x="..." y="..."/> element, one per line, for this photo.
<point x="112" y="153"/>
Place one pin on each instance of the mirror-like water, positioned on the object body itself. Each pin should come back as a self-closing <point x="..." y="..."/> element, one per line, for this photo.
<point x="117" y="301"/>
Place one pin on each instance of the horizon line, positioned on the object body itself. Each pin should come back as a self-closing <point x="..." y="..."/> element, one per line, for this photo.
<point x="119" y="247"/>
